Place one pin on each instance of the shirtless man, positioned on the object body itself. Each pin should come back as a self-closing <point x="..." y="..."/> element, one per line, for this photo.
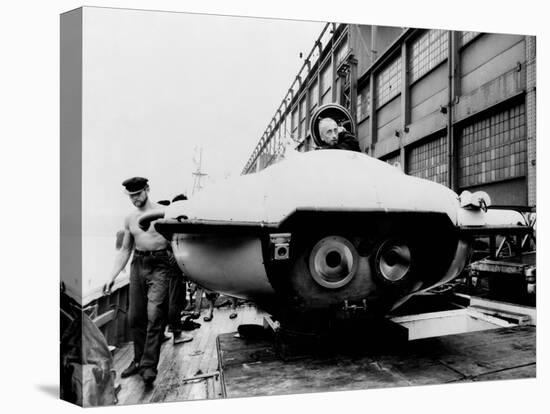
<point x="151" y="269"/>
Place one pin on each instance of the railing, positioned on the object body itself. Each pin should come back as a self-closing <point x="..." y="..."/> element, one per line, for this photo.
<point x="109" y="313"/>
<point x="291" y="96"/>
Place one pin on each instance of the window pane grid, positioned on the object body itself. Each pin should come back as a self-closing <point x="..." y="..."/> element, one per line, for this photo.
<point x="388" y="82"/>
<point x="342" y="51"/>
<point x="327" y="97"/>
<point x="494" y="148"/>
<point x="429" y="160"/>
<point x="427" y="52"/>
<point x="393" y="159"/>
<point x="363" y="103"/>
<point x="326" y="78"/>
<point x="467" y="37"/>
<point x="302" y="132"/>
<point x="294" y="123"/>
<point x="313" y="96"/>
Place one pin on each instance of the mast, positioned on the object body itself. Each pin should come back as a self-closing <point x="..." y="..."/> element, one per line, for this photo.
<point x="198" y="174"/>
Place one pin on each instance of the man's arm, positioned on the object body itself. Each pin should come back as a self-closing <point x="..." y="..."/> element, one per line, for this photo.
<point x="145" y="220"/>
<point x="122" y="256"/>
<point x="347" y="141"/>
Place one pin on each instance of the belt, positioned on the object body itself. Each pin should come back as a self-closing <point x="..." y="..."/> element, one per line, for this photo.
<point x="163" y="252"/>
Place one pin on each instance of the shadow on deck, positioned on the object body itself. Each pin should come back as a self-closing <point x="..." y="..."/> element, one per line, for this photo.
<point x="178" y="362"/>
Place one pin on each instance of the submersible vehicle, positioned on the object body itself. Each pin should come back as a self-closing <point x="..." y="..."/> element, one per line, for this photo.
<point x="325" y="231"/>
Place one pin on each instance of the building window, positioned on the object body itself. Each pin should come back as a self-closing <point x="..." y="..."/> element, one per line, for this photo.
<point x="363" y="103"/>
<point x="393" y="159"/>
<point x="327" y="98"/>
<point x="286" y="131"/>
<point x="388" y="83"/>
<point x="467" y="37"/>
<point x="326" y="83"/>
<point x="493" y="149"/>
<point x="313" y="96"/>
<point x="294" y="123"/>
<point x="302" y="132"/>
<point x="342" y="51"/>
<point x="429" y="160"/>
<point x="428" y="51"/>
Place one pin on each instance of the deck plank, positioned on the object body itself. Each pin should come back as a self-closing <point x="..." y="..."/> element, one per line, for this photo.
<point x="479" y="353"/>
<point x="194" y="365"/>
<point x="186" y="367"/>
<point x="208" y="362"/>
<point x="506" y="353"/>
<point x="251" y="369"/>
<point x="181" y="361"/>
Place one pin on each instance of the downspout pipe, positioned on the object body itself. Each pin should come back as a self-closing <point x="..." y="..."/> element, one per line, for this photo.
<point x="450" y="135"/>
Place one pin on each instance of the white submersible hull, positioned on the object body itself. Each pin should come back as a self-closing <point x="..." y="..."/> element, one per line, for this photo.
<point x="324" y="230"/>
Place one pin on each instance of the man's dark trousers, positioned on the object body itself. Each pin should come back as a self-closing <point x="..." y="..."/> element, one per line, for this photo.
<point x="177" y="293"/>
<point x="149" y="282"/>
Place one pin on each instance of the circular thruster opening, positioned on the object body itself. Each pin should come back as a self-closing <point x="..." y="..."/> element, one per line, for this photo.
<point x="393" y="261"/>
<point x="333" y="262"/>
<point x="333" y="259"/>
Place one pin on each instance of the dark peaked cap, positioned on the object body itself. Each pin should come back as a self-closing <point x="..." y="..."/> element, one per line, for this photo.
<point x="135" y="184"/>
<point x="179" y="197"/>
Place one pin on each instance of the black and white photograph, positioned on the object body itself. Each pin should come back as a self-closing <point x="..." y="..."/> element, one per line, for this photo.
<point x="263" y="206"/>
<point x="379" y="231"/>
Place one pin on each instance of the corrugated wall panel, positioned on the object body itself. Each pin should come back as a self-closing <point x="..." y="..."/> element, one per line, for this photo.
<point x="388" y="130"/>
<point x="363" y="134"/>
<point x="509" y="193"/>
<point x="389" y="112"/>
<point x="430" y="105"/>
<point x="488" y="57"/>
<point x="434" y="82"/>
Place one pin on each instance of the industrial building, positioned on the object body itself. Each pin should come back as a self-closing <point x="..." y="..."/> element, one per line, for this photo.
<point x="455" y="107"/>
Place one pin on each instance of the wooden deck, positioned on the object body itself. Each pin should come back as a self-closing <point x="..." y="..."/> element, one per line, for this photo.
<point x="183" y="361"/>
<point x="253" y="369"/>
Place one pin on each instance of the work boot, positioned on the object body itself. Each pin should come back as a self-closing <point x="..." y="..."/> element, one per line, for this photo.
<point x="132" y="369"/>
<point x="189" y="325"/>
<point x="210" y="314"/>
<point x="179" y="338"/>
<point x="149" y="376"/>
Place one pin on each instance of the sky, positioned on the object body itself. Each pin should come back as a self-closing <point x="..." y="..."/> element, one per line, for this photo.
<point x="157" y="86"/>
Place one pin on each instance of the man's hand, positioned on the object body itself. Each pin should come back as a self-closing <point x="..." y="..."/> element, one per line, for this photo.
<point x="341" y="129"/>
<point x="107" y="287"/>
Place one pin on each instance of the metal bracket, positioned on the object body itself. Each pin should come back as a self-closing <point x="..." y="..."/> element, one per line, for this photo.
<point x="353" y="308"/>
<point x="271" y="324"/>
<point x="279" y="244"/>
